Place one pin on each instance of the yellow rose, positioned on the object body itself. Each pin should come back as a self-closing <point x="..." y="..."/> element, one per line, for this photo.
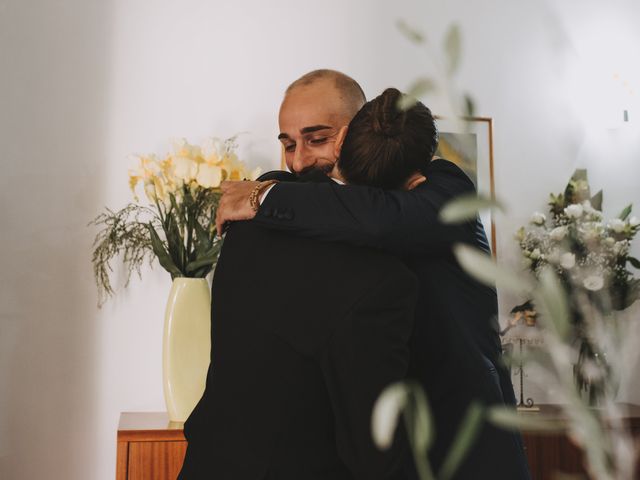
<point x="182" y="148"/>
<point x="147" y="169"/>
<point x="209" y="176"/>
<point x="133" y="182"/>
<point x="210" y="151"/>
<point x="184" y="168"/>
<point x="150" y="191"/>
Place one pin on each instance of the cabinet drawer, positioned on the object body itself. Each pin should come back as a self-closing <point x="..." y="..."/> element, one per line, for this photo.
<point x="155" y="460"/>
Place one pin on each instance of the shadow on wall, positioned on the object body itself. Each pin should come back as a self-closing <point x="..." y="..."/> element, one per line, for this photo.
<point x="52" y="137"/>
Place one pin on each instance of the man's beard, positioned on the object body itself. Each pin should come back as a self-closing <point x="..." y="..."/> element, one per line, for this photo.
<point x="313" y="171"/>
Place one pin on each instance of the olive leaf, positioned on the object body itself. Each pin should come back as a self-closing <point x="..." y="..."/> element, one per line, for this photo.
<point x="453" y="48"/>
<point x="411" y="33"/>
<point x="418" y="88"/>
<point x="406" y="399"/>
<point x="420" y="423"/>
<point x="469" y="105"/>
<point x="466" y="207"/>
<point x="552" y="301"/>
<point x="464" y="440"/>
<point x="484" y="269"/>
<point x="386" y="412"/>
<point x="509" y="418"/>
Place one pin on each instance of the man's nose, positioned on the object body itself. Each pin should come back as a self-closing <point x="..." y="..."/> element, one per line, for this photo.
<point x="302" y="160"/>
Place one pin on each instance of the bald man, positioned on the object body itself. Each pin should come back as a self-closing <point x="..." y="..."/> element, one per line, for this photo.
<point x="305" y="336"/>
<point x="456" y="352"/>
<point x="315" y="109"/>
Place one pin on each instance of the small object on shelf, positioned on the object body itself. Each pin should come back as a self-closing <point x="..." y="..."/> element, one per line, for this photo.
<point x="524" y="314"/>
<point x="523" y="405"/>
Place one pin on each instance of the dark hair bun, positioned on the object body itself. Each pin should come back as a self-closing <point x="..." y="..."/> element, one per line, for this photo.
<point x="387" y="119"/>
<point x="386" y="144"/>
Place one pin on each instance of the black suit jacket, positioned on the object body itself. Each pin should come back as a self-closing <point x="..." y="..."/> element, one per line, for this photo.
<point x="305" y="335"/>
<point x="455" y="348"/>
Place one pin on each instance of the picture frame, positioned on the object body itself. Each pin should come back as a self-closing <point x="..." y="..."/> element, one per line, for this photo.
<point x="468" y="142"/>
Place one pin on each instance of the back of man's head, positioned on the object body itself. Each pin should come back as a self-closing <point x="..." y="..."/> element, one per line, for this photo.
<point x="386" y="144"/>
<point x="351" y="95"/>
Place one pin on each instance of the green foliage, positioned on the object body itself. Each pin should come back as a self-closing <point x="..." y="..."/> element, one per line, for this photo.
<point x="595" y="251"/>
<point x="483" y="268"/>
<point x="420" y="87"/>
<point x="596" y="201"/>
<point x="411" y="33"/>
<point x="551" y="299"/>
<point x="580" y="241"/>
<point x="408" y="400"/>
<point x="469" y="105"/>
<point x="557" y="204"/>
<point x="625" y="212"/>
<point x="163" y="256"/>
<point x="180" y="234"/>
<point x="447" y="63"/>
<point x="467" y="207"/>
<point x="419" y="425"/>
<point x="123" y="233"/>
<point x="464" y="440"/>
<point x="509" y="419"/>
<point x="453" y="48"/>
<point x="577" y="190"/>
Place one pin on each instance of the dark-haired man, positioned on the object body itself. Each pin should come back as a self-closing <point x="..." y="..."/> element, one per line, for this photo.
<point x="455" y="348"/>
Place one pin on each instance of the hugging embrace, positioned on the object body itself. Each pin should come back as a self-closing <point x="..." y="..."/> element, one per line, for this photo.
<point x="335" y="280"/>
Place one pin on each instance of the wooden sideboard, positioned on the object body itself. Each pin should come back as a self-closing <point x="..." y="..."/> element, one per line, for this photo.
<point x="152" y="448"/>
<point x="549" y="454"/>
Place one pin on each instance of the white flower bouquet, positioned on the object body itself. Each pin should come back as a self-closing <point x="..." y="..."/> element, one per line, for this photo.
<point x="591" y="258"/>
<point x="588" y="252"/>
<point x="178" y="223"/>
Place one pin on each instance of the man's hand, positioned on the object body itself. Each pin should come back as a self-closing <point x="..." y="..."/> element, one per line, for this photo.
<point x="234" y="203"/>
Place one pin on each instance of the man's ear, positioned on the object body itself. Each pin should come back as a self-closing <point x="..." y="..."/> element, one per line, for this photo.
<point x="341" y="135"/>
<point x="414" y="180"/>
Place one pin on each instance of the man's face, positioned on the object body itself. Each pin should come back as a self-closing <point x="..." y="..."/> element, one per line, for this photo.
<point x="310" y="119"/>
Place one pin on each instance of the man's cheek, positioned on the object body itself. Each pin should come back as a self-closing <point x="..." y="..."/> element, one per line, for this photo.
<point x="288" y="160"/>
<point x="328" y="152"/>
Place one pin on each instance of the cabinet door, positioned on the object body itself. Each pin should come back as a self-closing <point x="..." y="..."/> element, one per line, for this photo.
<point x="552" y="455"/>
<point x="156" y="460"/>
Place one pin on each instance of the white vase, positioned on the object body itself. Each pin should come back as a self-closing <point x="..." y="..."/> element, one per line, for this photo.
<point x="186" y="346"/>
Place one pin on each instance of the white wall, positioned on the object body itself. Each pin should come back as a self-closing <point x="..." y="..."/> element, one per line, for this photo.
<point x="85" y="83"/>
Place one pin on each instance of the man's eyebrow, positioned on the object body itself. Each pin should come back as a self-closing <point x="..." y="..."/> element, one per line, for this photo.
<point x="314" y="128"/>
<point x="305" y="130"/>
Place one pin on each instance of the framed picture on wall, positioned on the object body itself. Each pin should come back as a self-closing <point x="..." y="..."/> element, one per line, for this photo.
<point x="468" y="142"/>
